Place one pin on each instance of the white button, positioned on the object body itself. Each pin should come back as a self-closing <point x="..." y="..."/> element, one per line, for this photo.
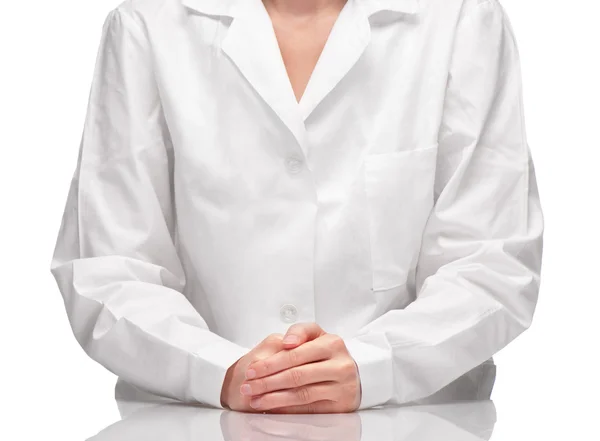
<point x="288" y="313"/>
<point x="294" y="164"/>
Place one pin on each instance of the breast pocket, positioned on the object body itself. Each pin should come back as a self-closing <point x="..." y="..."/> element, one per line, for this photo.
<point x="399" y="192"/>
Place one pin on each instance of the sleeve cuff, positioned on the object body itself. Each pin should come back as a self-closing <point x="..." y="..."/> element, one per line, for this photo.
<point x="374" y="362"/>
<point x="207" y="379"/>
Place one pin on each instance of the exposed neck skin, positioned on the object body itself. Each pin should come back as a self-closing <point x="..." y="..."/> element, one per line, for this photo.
<point x="302" y="8"/>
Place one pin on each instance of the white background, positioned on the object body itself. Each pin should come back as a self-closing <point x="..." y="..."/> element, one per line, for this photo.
<point x="548" y="379"/>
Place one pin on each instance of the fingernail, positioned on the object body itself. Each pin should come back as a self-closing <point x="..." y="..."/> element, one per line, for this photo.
<point x="255" y="402"/>
<point x="250" y="374"/>
<point x="246" y="389"/>
<point x="290" y="339"/>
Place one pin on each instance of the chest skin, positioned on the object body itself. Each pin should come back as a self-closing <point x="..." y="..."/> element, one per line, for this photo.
<point x="301" y="39"/>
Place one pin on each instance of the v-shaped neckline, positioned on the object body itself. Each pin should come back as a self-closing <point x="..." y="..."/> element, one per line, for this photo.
<point x="252" y="46"/>
<point x="319" y="62"/>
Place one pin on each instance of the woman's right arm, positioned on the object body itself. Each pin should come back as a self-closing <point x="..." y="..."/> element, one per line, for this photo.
<point x="115" y="261"/>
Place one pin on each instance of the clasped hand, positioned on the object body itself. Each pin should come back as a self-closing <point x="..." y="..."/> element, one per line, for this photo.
<point x="305" y="371"/>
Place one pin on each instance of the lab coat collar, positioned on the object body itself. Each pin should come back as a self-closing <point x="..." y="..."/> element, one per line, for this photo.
<point x="227" y="7"/>
<point x="211" y="7"/>
<point x="402" y="6"/>
<point x="252" y="46"/>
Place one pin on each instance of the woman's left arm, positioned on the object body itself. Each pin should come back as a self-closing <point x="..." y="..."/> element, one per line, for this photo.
<point x="478" y="273"/>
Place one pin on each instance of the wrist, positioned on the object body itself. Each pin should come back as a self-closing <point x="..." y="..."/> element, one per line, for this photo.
<point x="225" y="387"/>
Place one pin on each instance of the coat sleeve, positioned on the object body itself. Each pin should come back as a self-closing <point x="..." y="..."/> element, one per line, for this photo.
<point x="115" y="260"/>
<point x="478" y="273"/>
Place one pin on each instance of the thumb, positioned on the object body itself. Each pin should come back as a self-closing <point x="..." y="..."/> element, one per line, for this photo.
<point x="301" y="333"/>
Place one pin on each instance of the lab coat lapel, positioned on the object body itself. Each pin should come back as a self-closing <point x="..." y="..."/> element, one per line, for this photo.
<point x="251" y="44"/>
<point x="347" y="41"/>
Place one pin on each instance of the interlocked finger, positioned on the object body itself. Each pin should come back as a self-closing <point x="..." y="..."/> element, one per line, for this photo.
<point x="291" y="378"/>
<point x="293" y="397"/>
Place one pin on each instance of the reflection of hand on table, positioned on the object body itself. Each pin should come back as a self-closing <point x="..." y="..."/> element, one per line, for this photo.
<point x="238" y="426"/>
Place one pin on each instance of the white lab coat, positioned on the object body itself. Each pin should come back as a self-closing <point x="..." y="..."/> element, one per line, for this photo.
<point x="395" y="205"/>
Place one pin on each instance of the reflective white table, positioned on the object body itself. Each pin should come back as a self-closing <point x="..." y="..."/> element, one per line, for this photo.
<point x="142" y="421"/>
<point x="146" y="417"/>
